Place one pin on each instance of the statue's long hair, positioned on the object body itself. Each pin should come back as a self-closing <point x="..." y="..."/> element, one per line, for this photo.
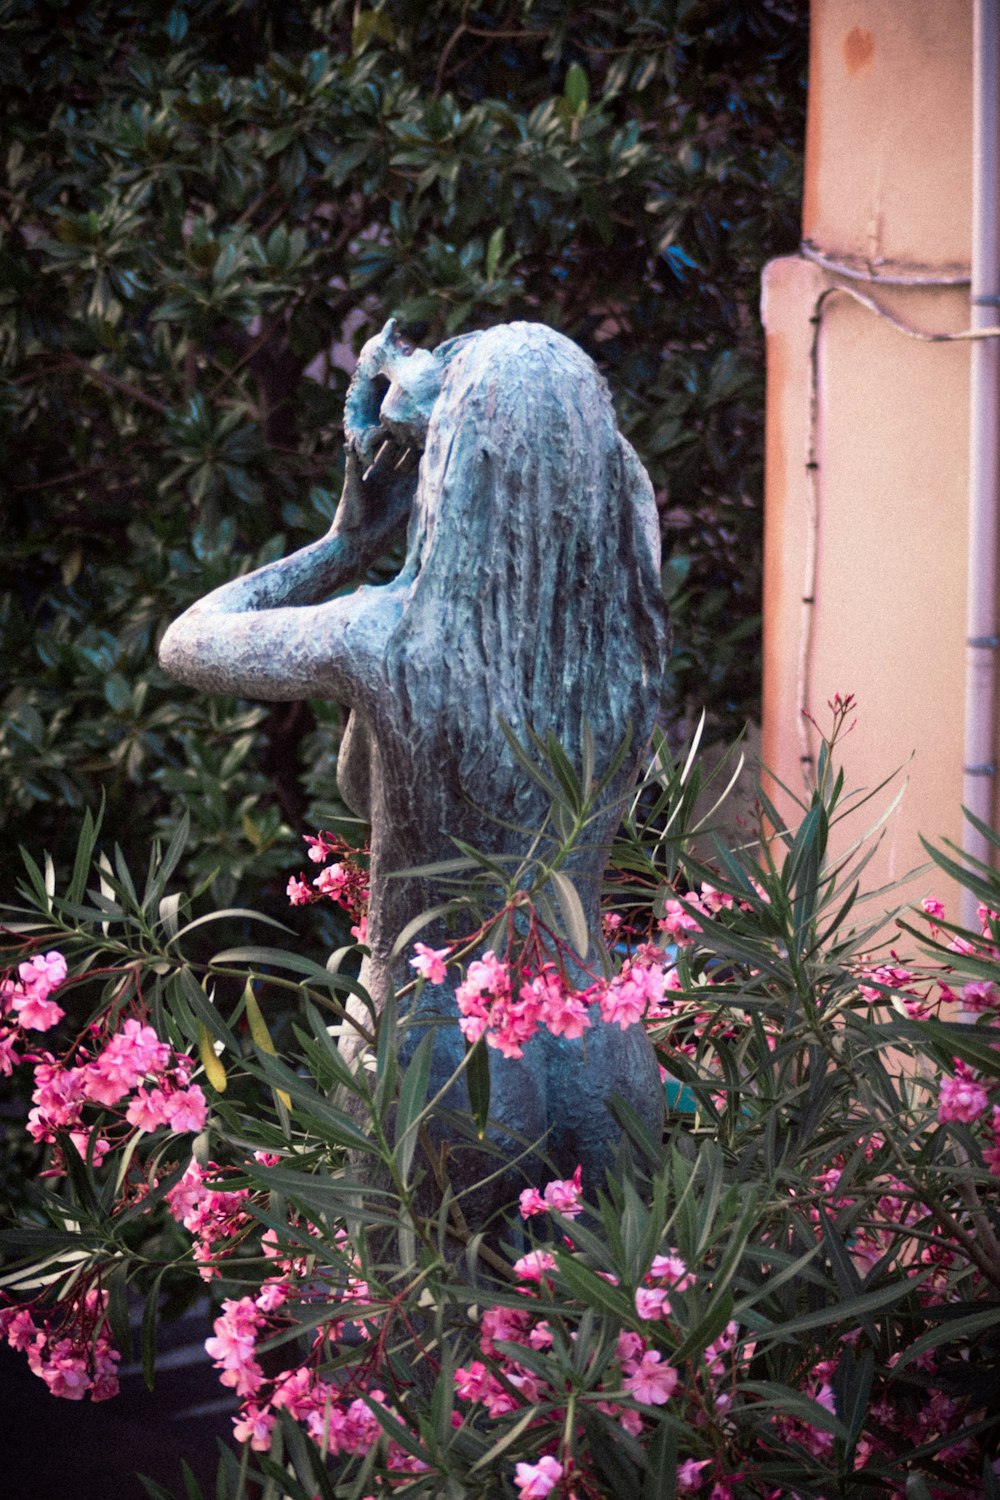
<point x="533" y="561"/>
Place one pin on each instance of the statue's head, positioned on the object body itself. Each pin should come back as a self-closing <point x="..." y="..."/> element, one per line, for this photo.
<point x="533" y="559"/>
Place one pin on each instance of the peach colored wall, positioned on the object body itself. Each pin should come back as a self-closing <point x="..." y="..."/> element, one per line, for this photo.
<point x="888" y="192"/>
<point x="888" y="164"/>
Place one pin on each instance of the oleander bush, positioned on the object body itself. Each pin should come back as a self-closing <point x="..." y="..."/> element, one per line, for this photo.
<point x="208" y="206"/>
<point x="794" y="1293"/>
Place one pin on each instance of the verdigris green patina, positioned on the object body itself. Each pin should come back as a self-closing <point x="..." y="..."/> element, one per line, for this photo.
<point x="530" y="593"/>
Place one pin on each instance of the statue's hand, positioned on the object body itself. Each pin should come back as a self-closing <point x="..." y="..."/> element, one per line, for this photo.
<point x="376" y="500"/>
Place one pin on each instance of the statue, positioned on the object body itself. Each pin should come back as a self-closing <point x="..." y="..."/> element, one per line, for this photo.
<point x="530" y="593"/>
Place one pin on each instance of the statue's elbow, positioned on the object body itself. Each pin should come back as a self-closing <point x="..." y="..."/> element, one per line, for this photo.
<point x="174" y="652"/>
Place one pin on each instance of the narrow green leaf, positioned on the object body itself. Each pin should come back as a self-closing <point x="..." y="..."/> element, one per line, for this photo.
<point x="147" y="1333"/>
<point x="116" y="1286"/>
<point x="948" y="1330"/>
<point x="509" y="1438"/>
<point x="572" y="912"/>
<point x="477" y="1076"/>
<point x="387" y="1055"/>
<point x="593" y="1289"/>
<point x="576" y="89"/>
<point x="525" y="761"/>
<point x="412" y="1098"/>
<point x="84" y="854"/>
<point x="205" y="1011"/>
<point x="192" y="1488"/>
<point x="494" y="250"/>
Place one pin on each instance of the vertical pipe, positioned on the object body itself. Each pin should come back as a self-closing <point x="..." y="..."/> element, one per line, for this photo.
<point x="984" y="441"/>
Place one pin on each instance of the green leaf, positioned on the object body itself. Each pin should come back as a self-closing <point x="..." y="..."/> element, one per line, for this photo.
<point x="789" y="1402"/>
<point x="494" y="250"/>
<point x="593" y="1289"/>
<point x="948" y="1330"/>
<point x="477" y="1074"/>
<point x="84" y="854"/>
<point x="116" y="1286"/>
<point x="572" y="912"/>
<point x="147" y="1333"/>
<point x="386" y="1059"/>
<point x="576" y="89"/>
<point x="412" y="1099"/>
<point x="204" y="1011"/>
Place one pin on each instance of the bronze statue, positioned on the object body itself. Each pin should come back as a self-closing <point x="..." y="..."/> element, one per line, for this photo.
<point x="530" y="593"/>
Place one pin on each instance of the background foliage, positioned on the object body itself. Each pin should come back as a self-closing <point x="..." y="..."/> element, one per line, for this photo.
<point x="207" y="207"/>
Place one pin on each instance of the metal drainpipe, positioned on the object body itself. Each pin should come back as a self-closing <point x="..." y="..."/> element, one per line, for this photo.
<point x="984" y="443"/>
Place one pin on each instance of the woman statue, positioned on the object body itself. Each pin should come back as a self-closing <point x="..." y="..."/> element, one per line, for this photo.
<point x="530" y="593"/>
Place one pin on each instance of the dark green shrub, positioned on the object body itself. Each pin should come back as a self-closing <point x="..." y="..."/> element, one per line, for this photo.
<point x="206" y="207"/>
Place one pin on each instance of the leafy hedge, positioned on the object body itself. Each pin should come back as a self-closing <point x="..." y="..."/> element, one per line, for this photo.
<point x="207" y="207"/>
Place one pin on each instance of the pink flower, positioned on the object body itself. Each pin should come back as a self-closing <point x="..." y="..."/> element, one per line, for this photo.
<point x="187" y="1110"/>
<point x="678" y="923"/>
<point x="272" y="1295"/>
<point x="563" y="1195"/>
<point x="689" y="1473"/>
<point x="20" y="1328"/>
<point x="540" y="1336"/>
<point x="477" y="1384"/>
<point x="651" y="1302"/>
<point x="91" y="1141"/>
<point x="532" y="1202"/>
<point x="623" y="1002"/>
<point x="671" y="1268"/>
<point x="9" y="1055"/>
<point x="532" y="1267"/>
<point x="933" y="908"/>
<point x="629" y="1349"/>
<point x="254" y="1425"/>
<point x="318" y="848"/>
<point x="980" y="995"/>
<point x="147" y="1110"/>
<point x="130" y="1054"/>
<point x="962" y="1098"/>
<point x="331" y="881"/>
<point x="534" y="1481"/>
<point x="472" y="1027"/>
<point x="43" y="973"/>
<point x="35" y="1012"/>
<point x="298" y="892"/>
<point x="430" y="963"/>
<point x="506" y="1323"/>
<point x="233" y="1346"/>
<point x="65" y="1371"/>
<point x="652" y="1382"/>
<point x="299" y="1393"/>
<point x="565" y="1014"/>
<point x="58" y="1097"/>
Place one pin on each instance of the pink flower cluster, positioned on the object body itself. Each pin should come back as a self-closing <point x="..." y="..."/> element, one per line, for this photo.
<point x="562" y="1196"/>
<point x="133" y="1061"/>
<point x="683" y="919"/>
<point x="72" y="1354"/>
<point x="338" y="1420"/>
<point x="345" y="882"/>
<point x="217" y="1217"/>
<point x="644" y="1376"/>
<point x="25" y="1004"/>
<point x="487" y="1006"/>
<point x="962" y="1096"/>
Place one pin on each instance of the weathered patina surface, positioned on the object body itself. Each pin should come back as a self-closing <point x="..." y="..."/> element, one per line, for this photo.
<point x="530" y="592"/>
